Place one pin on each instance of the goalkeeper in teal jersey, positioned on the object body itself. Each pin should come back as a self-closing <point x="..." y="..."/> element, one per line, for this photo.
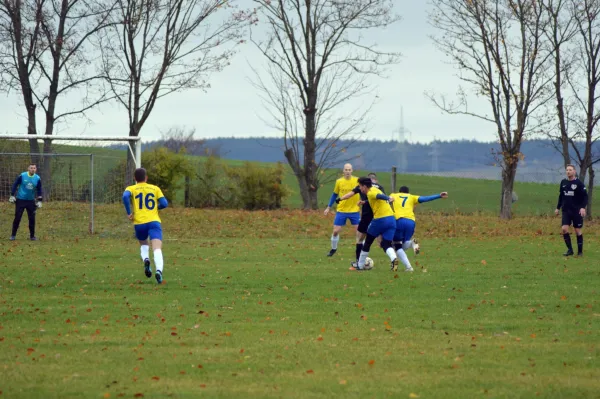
<point x="26" y="194"/>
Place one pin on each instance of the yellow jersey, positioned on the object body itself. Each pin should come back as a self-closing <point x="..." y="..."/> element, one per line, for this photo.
<point x="404" y="205"/>
<point x="342" y="187"/>
<point x="381" y="208"/>
<point x="144" y="201"/>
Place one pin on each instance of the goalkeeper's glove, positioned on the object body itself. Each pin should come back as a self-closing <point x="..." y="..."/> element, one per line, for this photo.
<point x="12" y="199"/>
<point x="39" y="202"/>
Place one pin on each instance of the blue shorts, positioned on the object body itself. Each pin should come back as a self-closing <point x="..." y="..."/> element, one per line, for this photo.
<point x="152" y="229"/>
<point x="342" y="217"/>
<point x="385" y="227"/>
<point x="405" y="228"/>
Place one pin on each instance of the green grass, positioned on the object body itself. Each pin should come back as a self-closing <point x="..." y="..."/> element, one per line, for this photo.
<point x="252" y="308"/>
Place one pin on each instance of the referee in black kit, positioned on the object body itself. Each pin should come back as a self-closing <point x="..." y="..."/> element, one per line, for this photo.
<point x="573" y="200"/>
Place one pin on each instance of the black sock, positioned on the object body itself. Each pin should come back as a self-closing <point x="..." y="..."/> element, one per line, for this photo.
<point x="359" y="247"/>
<point x="567" y="238"/>
<point x="580" y="244"/>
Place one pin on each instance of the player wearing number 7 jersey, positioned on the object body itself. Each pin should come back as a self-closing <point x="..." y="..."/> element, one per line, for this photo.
<point x="404" y="211"/>
<point x="142" y="202"/>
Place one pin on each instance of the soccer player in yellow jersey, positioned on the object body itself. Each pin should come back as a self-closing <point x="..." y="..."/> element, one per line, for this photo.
<point x="142" y="202"/>
<point x="383" y="223"/>
<point x="404" y="211"/>
<point x="346" y="210"/>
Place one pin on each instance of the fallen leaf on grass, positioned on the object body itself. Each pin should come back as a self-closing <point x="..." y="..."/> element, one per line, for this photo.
<point x="309" y="372"/>
<point x="343" y="382"/>
<point x="106" y="395"/>
<point x="155" y="378"/>
<point x="371" y="362"/>
<point x="413" y="395"/>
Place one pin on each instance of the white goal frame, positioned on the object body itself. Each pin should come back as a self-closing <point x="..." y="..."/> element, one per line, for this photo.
<point x="135" y="153"/>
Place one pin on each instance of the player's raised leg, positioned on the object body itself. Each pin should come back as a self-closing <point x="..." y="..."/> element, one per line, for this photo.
<point x="145" y="254"/>
<point x="141" y="233"/>
<point x="156" y="240"/>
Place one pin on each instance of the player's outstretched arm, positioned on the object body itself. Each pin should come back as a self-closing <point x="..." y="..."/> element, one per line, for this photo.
<point x="432" y="197"/>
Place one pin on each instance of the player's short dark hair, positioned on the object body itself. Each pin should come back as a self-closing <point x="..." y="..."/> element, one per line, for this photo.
<point x="365" y="181"/>
<point x="139" y="175"/>
<point x="571" y="165"/>
<point x="372" y="175"/>
<point x="404" y="189"/>
<point x="33" y="164"/>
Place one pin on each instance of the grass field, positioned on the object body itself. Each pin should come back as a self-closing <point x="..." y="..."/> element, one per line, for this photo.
<point x="252" y="308"/>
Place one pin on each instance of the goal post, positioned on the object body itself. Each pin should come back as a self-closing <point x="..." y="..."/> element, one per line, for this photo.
<point x="79" y="172"/>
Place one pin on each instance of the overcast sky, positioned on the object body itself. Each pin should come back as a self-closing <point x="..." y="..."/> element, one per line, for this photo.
<point x="232" y="108"/>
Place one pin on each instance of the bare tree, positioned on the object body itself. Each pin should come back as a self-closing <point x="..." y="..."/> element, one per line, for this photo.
<point x="583" y="81"/>
<point x="318" y="63"/>
<point x="497" y="46"/>
<point x="559" y="32"/>
<point x="45" y="54"/>
<point x="157" y="48"/>
<point x="178" y="139"/>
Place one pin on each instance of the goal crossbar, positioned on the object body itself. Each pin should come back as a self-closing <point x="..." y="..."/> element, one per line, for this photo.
<point x="137" y="155"/>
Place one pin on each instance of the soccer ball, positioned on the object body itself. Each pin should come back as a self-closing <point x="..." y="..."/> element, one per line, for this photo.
<point x="369" y="263"/>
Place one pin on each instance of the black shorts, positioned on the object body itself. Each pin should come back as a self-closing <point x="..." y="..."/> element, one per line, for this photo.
<point x="574" y="218"/>
<point x="364" y="223"/>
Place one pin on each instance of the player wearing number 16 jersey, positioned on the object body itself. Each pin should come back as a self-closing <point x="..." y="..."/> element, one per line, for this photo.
<point x="142" y="202"/>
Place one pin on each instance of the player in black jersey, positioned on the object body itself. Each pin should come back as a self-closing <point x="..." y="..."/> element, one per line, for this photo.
<point x="366" y="215"/>
<point x="573" y="200"/>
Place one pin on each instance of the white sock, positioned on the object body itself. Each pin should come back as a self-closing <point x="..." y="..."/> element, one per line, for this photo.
<point x="407" y="244"/>
<point x="404" y="258"/>
<point x="145" y="251"/>
<point x="362" y="259"/>
<point x="390" y="253"/>
<point x="158" y="260"/>
<point x="334" y="241"/>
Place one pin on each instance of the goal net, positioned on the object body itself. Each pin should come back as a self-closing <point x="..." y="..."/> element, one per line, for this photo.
<point x="82" y="180"/>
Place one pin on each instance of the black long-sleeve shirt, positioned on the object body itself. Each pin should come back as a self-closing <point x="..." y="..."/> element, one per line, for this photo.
<point x="366" y="208"/>
<point x="573" y="196"/>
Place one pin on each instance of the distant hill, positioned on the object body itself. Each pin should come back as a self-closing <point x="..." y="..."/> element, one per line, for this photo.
<point x="443" y="158"/>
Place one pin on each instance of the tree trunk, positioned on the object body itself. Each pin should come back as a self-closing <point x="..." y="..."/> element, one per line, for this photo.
<point x="298" y="172"/>
<point x="186" y="193"/>
<point x="590" y="190"/>
<point x="313" y="199"/>
<point x="509" y="172"/>
<point x="310" y="151"/>
<point x="34" y="147"/>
